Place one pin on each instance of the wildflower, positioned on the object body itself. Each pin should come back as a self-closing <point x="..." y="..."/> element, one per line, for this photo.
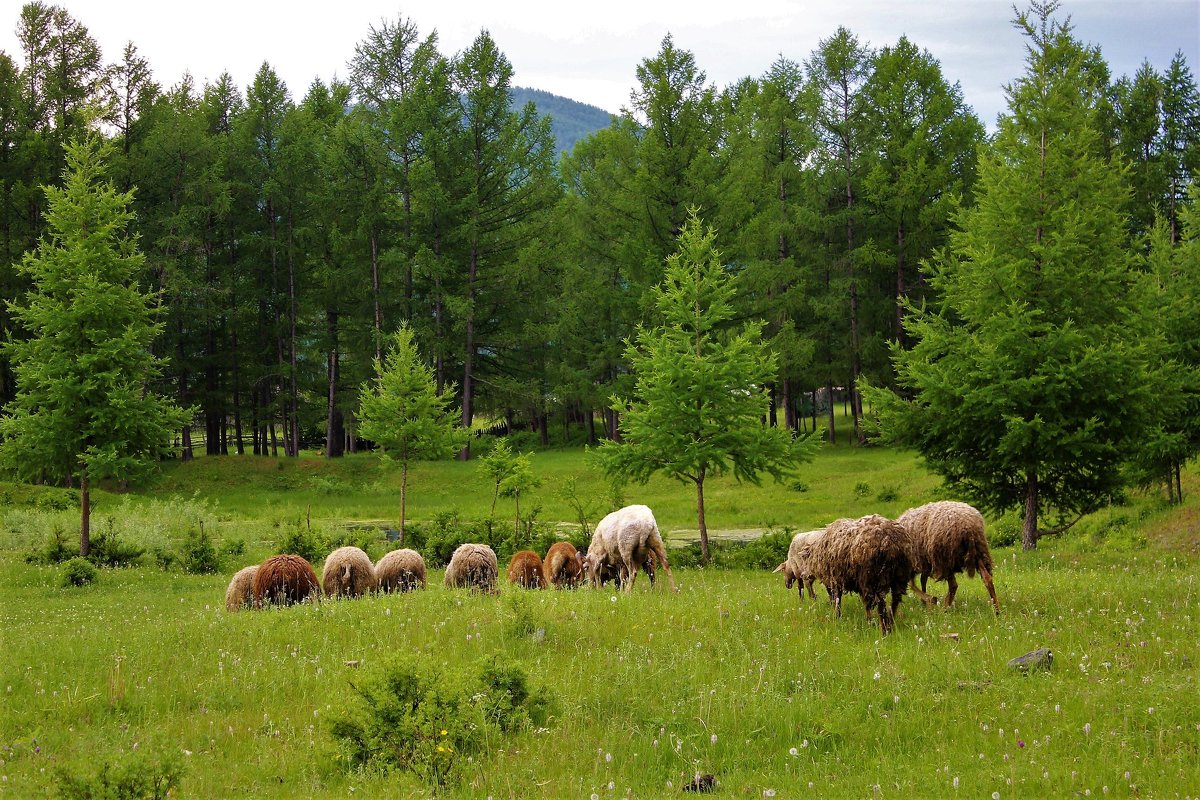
<point x="955" y="781"/>
<point x="793" y="752"/>
<point x="713" y="738"/>
<point x="444" y="731"/>
<point x="608" y="758"/>
<point x="876" y="676"/>
<point x="611" y="786"/>
<point x="441" y="749"/>
<point x="1087" y="729"/>
<point x="1020" y="742"/>
<point x="768" y="792"/>
<point x="995" y="796"/>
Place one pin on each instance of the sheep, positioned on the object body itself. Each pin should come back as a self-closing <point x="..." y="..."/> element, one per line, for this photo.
<point x="796" y="568"/>
<point x="525" y="570"/>
<point x="948" y="538"/>
<point x="869" y="556"/>
<point x="624" y="539"/>
<point x="401" y="571"/>
<point x="612" y="572"/>
<point x="348" y="571"/>
<point x="473" y="566"/>
<point x="241" y="589"/>
<point x="563" y="565"/>
<point x="285" y="579"/>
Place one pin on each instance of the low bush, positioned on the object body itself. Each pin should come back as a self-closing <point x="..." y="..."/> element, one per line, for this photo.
<point x="300" y="540"/>
<point x="133" y="777"/>
<point x="197" y="555"/>
<point x="110" y="550"/>
<point x="55" y="551"/>
<point x="78" y="572"/>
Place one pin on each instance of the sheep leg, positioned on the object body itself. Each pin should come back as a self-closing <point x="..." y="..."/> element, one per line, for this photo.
<point x="886" y="620"/>
<point x="629" y="572"/>
<point x="660" y="552"/>
<point x="810" y="580"/>
<point x="836" y="597"/>
<point x="987" y="581"/>
<point x="951" y="590"/>
<point x="897" y="594"/>
<point x="926" y="598"/>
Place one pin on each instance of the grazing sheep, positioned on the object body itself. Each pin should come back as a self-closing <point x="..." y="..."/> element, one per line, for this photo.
<point x="869" y="556"/>
<point x="563" y="565"/>
<point x="525" y="570"/>
<point x="796" y="568"/>
<point x="401" y="571"/>
<point x="285" y="580"/>
<point x="241" y="589"/>
<point x="612" y="572"/>
<point x="625" y="539"/>
<point x="948" y="538"/>
<point x="348" y="572"/>
<point x="473" y="566"/>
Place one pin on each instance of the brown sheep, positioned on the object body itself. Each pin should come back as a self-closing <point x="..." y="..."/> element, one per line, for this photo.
<point x="347" y="571"/>
<point x="401" y="571"/>
<point x="869" y="556"/>
<point x="948" y="538"/>
<point x="563" y="565"/>
<point x="240" y="593"/>
<point x="285" y="580"/>
<point x="473" y="566"/>
<point x="525" y="570"/>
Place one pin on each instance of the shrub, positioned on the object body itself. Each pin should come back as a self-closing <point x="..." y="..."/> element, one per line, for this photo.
<point x="765" y="552"/>
<point x="299" y="540"/>
<point x="110" y="550"/>
<point x="78" y="572"/>
<point x="164" y="557"/>
<point x="888" y="494"/>
<point x="133" y="778"/>
<point x="55" y="551"/>
<point x="862" y="489"/>
<point x="233" y="547"/>
<point x="507" y="701"/>
<point x="362" y="538"/>
<point x="198" y="556"/>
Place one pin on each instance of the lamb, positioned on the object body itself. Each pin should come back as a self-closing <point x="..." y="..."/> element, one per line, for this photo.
<point x="401" y="571"/>
<point x="348" y="572"/>
<point x="563" y="565"/>
<point x="624" y="539"/>
<point x="525" y="570"/>
<point x="473" y="566"/>
<point x="240" y="593"/>
<point x="796" y="568"/>
<point x="869" y="556"/>
<point x="612" y="572"/>
<point x="948" y="538"/>
<point x="285" y="579"/>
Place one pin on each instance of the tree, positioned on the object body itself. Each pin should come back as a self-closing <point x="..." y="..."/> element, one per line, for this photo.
<point x="85" y="410"/>
<point x="403" y="413"/>
<point x="1030" y="380"/>
<point x="700" y="401"/>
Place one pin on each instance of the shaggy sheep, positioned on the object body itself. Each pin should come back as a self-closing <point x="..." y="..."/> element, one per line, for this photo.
<point x="869" y="556"/>
<point x="348" y="572"/>
<point x="796" y="568"/>
<point x="948" y="538"/>
<point x="625" y="539"/>
<point x="612" y="572"/>
<point x="563" y="565"/>
<point x="525" y="570"/>
<point x="473" y="566"/>
<point x="401" y="571"/>
<point x="241" y="589"/>
<point x="285" y="580"/>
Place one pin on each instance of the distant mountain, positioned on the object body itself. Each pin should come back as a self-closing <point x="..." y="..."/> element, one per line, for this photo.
<point x="570" y="120"/>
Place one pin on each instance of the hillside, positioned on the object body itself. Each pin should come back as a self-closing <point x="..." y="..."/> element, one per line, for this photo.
<point x="570" y="120"/>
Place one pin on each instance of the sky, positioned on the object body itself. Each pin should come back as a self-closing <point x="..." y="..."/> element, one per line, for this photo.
<point x="590" y="51"/>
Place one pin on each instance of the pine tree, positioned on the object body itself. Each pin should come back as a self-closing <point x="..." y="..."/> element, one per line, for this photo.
<point x="1030" y="382"/>
<point x="85" y="410"/>
<point x="402" y="412"/>
<point x="699" y="404"/>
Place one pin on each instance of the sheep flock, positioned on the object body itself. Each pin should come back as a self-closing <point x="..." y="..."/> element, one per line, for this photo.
<point x="877" y="558"/>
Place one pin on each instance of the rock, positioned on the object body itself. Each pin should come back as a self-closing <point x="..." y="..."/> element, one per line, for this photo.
<point x="539" y="635"/>
<point x="701" y="783"/>
<point x="1041" y="658"/>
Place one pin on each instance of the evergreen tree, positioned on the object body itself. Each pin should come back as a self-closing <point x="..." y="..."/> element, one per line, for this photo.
<point x="83" y="410"/>
<point x="402" y="412"/>
<point x="699" y="404"/>
<point x="1031" y="379"/>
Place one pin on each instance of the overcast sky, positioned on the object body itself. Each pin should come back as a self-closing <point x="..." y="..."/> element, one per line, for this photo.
<point x="589" y="51"/>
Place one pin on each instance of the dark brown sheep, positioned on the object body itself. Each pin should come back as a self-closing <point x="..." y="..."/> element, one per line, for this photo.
<point x="563" y="565"/>
<point x="525" y="569"/>
<point x="285" y="580"/>
<point x="948" y="538"/>
<point x="401" y="571"/>
<point x="869" y="556"/>
<point x="348" y="572"/>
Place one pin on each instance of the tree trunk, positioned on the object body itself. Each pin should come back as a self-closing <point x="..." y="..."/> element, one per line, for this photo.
<point x="591" y="427"/>
<point x="705" y="558"/>
<point x="468" y="387"/>
<point x="85" y="514"/>
<point x="237" y="397"/>
<point x="293" y="443"/>
<point x="832" y="431"/>
<point x="789" y="406"/>
<point x="901" y="288"/>
<point x="403" y="498"/>
<point x="375" y="293"/>
<point x="334" y="434"/>
<point x="1029" y="535"/>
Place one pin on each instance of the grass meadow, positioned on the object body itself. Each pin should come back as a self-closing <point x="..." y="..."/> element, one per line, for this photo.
<point x="733" y="677"/>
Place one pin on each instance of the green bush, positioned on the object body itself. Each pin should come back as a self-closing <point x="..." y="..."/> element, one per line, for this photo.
<point x="862" y="490"/>
<point x="55" y="551"/>
<point x="131" y="778"/>
<point x="507" y="701"/>
<point x="233" y="547"/>
<point x="197" y="555"/>
<point x="78" y="572"/>
<point x="888" y="494"/>
<point x="300" y="540"/>
<point x="110" y="550"/>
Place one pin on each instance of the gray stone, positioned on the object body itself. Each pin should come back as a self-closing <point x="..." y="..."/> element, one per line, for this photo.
<point x="1041" y="658"/>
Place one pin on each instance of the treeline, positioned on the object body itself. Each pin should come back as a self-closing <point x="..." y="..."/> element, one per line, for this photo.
<point x="287" y="237"/>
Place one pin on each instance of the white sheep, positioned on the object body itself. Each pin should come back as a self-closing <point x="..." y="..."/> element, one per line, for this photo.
<point x="797" y="567"/>
<point x="240" y="593"/>
<point x="473" y="566"/>
<point x="401" y="571"/>
<point x="347" y="571"/>
<point x="625" y="539"/>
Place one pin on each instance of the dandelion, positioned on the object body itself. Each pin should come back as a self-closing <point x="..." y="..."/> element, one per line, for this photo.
<point x="713" y="738"/>
<point x="876" y="676"/>
<point x="595" y="796"/>
<point x="608" y="758"/>
<point x="613" y="598"/>
<point x="1150" y="710"/>
<point x="955" y="781"/>
<point x="995" y="796"/>
<point x="793" y="752"/>
<point x="1087" y="729"/>
<point x="768" y="792"/>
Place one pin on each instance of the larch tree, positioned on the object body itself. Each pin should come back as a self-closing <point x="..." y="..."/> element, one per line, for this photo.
<point x="700" y="399"/>
<point x="85" y="410"/>
<point x="1031" y="379"/>
<point x="402" y="412"/>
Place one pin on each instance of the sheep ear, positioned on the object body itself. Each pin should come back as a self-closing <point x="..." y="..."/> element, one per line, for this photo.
<point x="780" y="568"/>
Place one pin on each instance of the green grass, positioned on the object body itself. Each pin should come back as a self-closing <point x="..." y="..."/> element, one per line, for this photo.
<point x="732" y="676"/>
<point x="727" y="677"/>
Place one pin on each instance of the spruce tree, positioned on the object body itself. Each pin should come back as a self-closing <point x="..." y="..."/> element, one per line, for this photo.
<point x="85" y="410"/>
<point x="700" y="400"/>
<point x="1030" y="382"/>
